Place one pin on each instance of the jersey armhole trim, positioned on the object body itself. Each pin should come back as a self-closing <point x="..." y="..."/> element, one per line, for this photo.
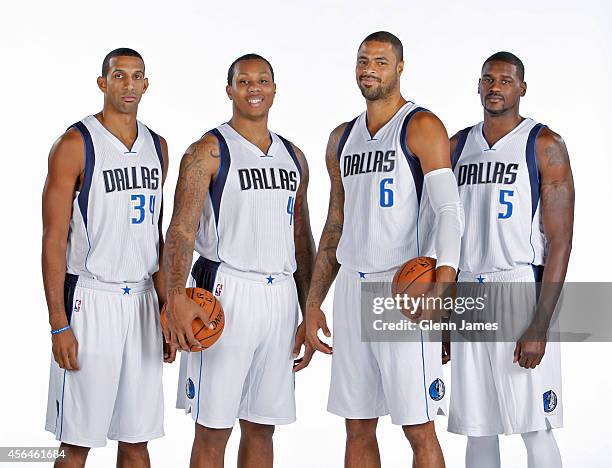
<point x="413" y="161"/>
<point x="218" y="184"/>
<point x="291" y="152"/>
<point x="532" y="167"/>
<point x="158" y="148"/>
<point x="461" y="139"/>
<point x="90" y="159"/>
<point x="344" y="137"/>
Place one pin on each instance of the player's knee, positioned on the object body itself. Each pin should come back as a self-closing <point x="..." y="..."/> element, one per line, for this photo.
<point x="361" y="430"/>
<point x="207" y="436"/>
<point x="73" y="453"/>
<point x="133" y="450"/>
<point x="253" y="430"/>
<point x="420" y="435"/>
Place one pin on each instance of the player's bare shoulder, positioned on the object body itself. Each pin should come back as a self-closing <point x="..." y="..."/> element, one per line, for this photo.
<point x="333" y="144"/>
<point x="425" y="123"/>
<point x="551" y="151"/>
<point x="203" y="157"/>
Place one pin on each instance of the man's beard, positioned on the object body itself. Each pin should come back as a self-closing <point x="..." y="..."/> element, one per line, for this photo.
<point x="378" y="92"/>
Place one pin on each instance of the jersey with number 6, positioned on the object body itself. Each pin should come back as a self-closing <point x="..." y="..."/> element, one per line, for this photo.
<point x="387" y="216"/>
<point x="499" y="187"/>
<point x="113" y="234"/>
<point x="247" y="220"/>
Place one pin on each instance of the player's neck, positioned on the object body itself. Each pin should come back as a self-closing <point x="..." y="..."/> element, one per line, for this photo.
<point x="254" y="130"/>
<point x="495" y="127"/>
<point x="379" y="112"/>
<point x="122" y="126"/>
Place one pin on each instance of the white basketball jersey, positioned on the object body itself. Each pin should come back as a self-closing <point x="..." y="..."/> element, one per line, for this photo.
<point x="113" y="233"/>
<point x="500" y="190"/>
<point x="387" y="216"/>
<point x="247" y="221"/>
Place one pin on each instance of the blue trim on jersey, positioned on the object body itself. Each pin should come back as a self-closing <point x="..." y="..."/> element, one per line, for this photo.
<point x="291" y="152"/>
<point x="158" y="148"/>
<point x="532" y="167"/>
<point x="424" y="378"/>
<point x="538" y="272"/>
<point x="199" y="386"/>
<point x="70" y="282"/>
<point x="344" y="137"/>
<point x="461" y="139"/>
<point x="90" y="160"/>
<point x="217" y="186"/>
<point x="413" y="162"/>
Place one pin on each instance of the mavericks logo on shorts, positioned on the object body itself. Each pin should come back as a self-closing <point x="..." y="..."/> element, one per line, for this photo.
<point x="437" y="390"/>
<point x="190" y="389"/>
<point x="218" y="289"/>
<point x="550" y="401"/>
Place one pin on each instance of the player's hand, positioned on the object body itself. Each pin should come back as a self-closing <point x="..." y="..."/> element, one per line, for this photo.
<point x="446" y="352"/>
<point x="315" y="321"/>
<point x="170" y="350"/>
<point x="300" y="339"/>
<point x="530" y="349"/>
<point x="65" y="348"/>
<point x="181" y="312"/>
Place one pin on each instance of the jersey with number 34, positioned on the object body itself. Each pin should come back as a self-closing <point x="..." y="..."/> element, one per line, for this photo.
<point x="113" y="234"/>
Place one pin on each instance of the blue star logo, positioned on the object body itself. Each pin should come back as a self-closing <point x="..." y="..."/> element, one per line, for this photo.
<point x="270" y="279"/>
<point x="127" y="289"/>
<point x="361" y="274"/>
<point x="481" y="279"/>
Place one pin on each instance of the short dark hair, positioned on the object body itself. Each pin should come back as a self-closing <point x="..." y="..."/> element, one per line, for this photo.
<point x="508" y="57"/>
<point x="120" y="52"/>
<point x="230" y="70"/>
<point x="385" y="36"/>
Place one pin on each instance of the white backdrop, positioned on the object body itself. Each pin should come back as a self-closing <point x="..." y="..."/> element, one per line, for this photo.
<point x="51" y="54"/>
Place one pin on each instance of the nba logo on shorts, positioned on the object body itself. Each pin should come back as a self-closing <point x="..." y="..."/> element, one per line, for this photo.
<point x="550" y="401"/>
<point x="437" y="390"/>
<point x="218" y="289"/>
<point x="77" y="306"/>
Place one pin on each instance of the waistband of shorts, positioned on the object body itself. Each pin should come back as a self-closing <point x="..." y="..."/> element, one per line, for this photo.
<point x="256" y="277"/>
<point x="365" y="276"/>
<point x="523" y="271"/>
<point x="126" y="288"/>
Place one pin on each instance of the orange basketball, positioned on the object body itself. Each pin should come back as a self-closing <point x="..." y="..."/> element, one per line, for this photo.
<point x="415" y="277"/>
<point x="205" y="299"/>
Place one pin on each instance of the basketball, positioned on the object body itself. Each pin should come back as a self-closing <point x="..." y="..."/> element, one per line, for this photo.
<point x="415" y="277"/>
<point x="205" y="299"/>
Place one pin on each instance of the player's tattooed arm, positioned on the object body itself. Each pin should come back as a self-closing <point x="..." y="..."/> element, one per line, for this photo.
<point x="64" y="177"/>
<point x="196" y="172"/>
<point x="326" y="264"/>
<point x="557" y="208"/>
<point x="305" y="249"/>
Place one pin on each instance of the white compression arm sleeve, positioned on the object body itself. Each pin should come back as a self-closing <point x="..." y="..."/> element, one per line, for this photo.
<point x="444" y="197"/>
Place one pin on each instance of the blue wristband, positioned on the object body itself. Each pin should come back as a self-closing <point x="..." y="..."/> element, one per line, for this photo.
<point x="59" y="330"/>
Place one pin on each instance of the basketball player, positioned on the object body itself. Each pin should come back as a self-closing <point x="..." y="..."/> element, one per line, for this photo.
<point x="390" y="177"/>
<point x="241" y="200"/>
<point x="100" y="257"/>
<point x="521" y="220"/>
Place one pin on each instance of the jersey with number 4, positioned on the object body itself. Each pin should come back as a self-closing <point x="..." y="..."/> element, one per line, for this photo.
<point x="387" y="216"/>
<point x="247" y="220"/>
<point x="499" y="187"/>
<point x="113" y="234"/>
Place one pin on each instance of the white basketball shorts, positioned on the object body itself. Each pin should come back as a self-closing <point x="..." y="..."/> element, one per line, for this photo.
<point x="490" y="393"/>
<point x="117" y="391"/>
<point x="372" y="379"/>
<point x="248" y="373"/>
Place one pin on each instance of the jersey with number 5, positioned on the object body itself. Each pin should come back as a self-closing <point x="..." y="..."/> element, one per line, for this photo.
<point x="387" y="215"/>
<point x="499" y="187"/>
<point x="113" y="234"/>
